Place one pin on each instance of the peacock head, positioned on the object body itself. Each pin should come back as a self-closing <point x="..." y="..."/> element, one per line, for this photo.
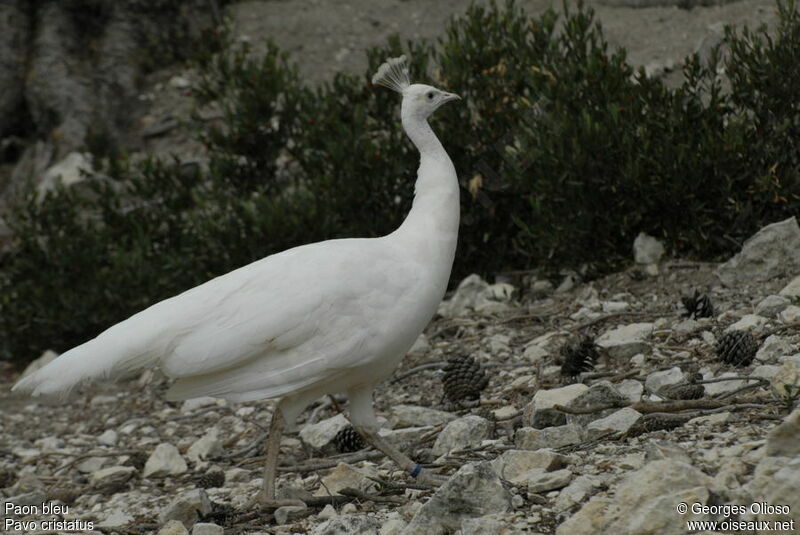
<point x="419" y="100"/>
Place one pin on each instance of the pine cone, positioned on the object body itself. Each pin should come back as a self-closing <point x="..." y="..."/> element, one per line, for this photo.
<point x="579" y="355"/>
<point x="138" y="460"/>
<point x="348" y="440"/>
<point x="698" y="306"/>
<point x="463" y="379"/>
<point x="656" y="422"/>
<point x="221" y="513"/>
<point x="211" y="480"/>
<point x="686" y="390"/>
<point x="737" y="347"/>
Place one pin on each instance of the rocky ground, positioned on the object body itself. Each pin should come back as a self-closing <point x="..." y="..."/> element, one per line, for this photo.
<point x="659" y="420"/>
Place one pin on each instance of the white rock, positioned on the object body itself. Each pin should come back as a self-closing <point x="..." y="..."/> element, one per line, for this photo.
<point x="529" y="438"/>
<point x="191" y="405"/>
<point x="686" y="326"/>
<point x="639" y="503"/>
<point x="790" y="314"/>
<point x="405" y="437"/>
<point x="393" y="526"/>
<point x="344" y="476"/>
<point x="416" y="416"/>
<point x="541" y="288"/>
<point x="783" y="439"/>
<point x="786" y="381"/>
<point x="464" y="298"/>
<point x="108" y="438"/>
<point x="545" y="481"/>
<point x="173" y="527"/>
<point x="483" y="526"/>
<point x="505" y="413"/>
<point x="327" y="513"/>
<point x="111" y="476"/>
<point x="421" y="345"/>
<point x="475" y="294"/>
<point x="206" y="447"/>
<point x="496" y="298"/>
<point x="792" y="289"/>
<point x="165" y="460"/>
<point x="776" y="480"/>
<point x="202" y="528"/>
<point x="624" y="342"/>
<point x="749" y="322"/>
<point x="772" y="305"/>
<point x="647" y="249"/>
<point x="497" y="344"/>
<point x="534" y="353"/>
<point x="631" y="389"/>
<point x="474" y="491"/>
<point x="321" y="434"/>
<point x="465" y="432"/>
<point x="773" y="348"/>
<point x="577" y="491"/>
<point x="283" y="514"/>
<point x="179" y="82"/>
<point x="73" y="168"/>
<point x="773" y="250"/>
<point x="611" y="307"/>
<point x="619" y="421"/>
<point x="347" y="524"/>
<point x="539" y="413"/>
<point x="658" y="380"/>
<point x="712" y="389"/>
<point x="517" y="466"/>
<point x="719" y="418"/>
<point x="186" y="508"/>
<point x="93" y="464"/>
<point x="765" y="371"/>
<point x="236" y="475"/>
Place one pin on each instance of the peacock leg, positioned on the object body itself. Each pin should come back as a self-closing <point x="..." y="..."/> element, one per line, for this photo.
<point x="402" y="460"/>
<point x="266" y="496"/>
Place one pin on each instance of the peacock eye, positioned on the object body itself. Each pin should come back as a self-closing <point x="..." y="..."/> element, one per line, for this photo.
<point x="430" y="95"/>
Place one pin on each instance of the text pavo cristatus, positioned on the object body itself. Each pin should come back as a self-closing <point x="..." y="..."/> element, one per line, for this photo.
<point x="333" y="316"/>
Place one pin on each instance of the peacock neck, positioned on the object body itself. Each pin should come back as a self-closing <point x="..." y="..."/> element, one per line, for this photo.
<point x="430" y="230"/>
<point x="421" y="134"/>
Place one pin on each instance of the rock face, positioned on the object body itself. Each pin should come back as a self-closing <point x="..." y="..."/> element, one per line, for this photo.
<point x="473" y="491"/>
<point x="772" y="251"/>
<point x="644" y="503"/>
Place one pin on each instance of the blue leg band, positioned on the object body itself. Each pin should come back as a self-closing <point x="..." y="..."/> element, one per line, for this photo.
<point x="416" y="471"/>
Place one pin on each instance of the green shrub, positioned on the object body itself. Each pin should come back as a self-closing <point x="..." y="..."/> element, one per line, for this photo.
<point x="564" y="151"/>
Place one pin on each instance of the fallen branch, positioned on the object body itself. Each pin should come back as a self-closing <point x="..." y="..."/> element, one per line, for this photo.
<point x="321" y="465"/>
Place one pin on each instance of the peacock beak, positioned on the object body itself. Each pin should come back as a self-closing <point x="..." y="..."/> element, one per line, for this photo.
<point x="450" y="96"/>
